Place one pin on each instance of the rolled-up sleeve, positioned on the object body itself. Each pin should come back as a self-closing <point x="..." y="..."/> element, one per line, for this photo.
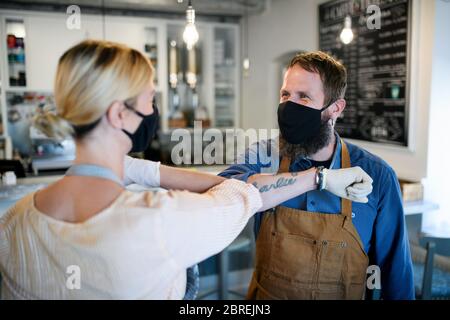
<point x="239" y="172"/>
<point x="142" y="172"/>
<point x="258" y="158"/>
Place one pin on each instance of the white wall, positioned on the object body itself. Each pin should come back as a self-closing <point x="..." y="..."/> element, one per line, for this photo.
<point x="287" y="25"/>
<point x="47" y="39"/>
<point x="437" y="184"/>
<point x="292" y="25"/>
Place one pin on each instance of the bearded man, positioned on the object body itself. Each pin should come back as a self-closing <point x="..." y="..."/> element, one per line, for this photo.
<point x="319" y="245"/>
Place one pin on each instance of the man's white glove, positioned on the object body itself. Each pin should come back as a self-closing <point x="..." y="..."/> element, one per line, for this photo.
<point x="142" y="172"/>
<point x="351" y="183"/>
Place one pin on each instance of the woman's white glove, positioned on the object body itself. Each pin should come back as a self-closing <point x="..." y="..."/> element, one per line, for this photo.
<point x="351" y="183"/>
<point x="142" y="172"/>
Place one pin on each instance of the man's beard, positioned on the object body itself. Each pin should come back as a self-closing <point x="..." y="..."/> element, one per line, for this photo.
<point x="310" y="147"/>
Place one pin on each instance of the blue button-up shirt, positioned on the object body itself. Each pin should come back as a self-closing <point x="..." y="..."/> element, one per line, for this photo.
<point x="380" y="223"/>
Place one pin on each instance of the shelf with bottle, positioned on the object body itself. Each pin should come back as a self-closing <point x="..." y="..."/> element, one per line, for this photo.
<point x="227" y="65"/>
<point x="189" y="117"/>
<point x="177" y="119"/>
<point x="225" y="52"/>
<point x="222" y="123"/>
<point x="5" y="147"/>
<point x="21" y="109"/>
<point x="152" y="54"/>
<point x="224" y="94"/>
<point x="188" y="92"/>
<point x="2" y="148"/>
<point x="15" y="40"/>
<point x="151" y="49"/>
<point x="224" y="89"/>
<point x="224" y="74"/>
<point x="18" y="90"/>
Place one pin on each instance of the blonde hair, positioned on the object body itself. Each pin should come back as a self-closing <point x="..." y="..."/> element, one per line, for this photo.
<point x="90" y="77"/>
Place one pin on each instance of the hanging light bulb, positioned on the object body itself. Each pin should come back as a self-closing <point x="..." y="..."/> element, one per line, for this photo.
<point x="190" y="34"/>
<point x="347" y="33"/>
<point x="246" y="60"/>
<point x="246" y="64"/>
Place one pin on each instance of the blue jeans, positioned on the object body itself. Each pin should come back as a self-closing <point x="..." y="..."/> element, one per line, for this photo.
<point x="192" y="283"/>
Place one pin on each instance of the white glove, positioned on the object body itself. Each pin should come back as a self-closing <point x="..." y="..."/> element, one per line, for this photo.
<point x="142" y="172"/>
<point x="352" y="183"/>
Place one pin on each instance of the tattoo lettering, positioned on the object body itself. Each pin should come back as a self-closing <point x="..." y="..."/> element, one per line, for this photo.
<point x="281" y="183"/>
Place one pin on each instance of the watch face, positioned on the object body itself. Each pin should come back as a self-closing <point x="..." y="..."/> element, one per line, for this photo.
<point x="320" y="178"/>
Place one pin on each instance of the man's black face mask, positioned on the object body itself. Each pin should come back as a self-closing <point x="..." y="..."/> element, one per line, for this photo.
<point x="298" y="123"/>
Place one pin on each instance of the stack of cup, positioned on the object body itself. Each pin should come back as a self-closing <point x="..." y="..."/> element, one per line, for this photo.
<point x="9" y="178"/>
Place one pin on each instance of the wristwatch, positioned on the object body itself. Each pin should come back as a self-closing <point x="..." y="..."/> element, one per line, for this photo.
<point x="320" y="178"/>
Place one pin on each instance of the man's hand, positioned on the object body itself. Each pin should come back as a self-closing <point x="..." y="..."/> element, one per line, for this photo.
<point x="352" y="183"/>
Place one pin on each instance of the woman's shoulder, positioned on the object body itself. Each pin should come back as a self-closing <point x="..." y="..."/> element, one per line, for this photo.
<point x="20" y="208"/>
<point x="12" y="220"/>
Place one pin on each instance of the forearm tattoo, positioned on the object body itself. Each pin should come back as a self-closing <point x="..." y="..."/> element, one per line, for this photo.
<point x="280" y="183"/>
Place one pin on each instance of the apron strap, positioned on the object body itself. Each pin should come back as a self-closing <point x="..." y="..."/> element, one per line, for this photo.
<point x="346" y="204"/>
<point x="284" y="165"/>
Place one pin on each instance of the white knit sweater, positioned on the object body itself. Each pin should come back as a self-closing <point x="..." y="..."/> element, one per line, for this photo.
<point x="137" y="248"/>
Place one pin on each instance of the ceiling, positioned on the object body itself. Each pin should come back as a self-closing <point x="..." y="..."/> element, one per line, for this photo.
<point x="202" y="7"/>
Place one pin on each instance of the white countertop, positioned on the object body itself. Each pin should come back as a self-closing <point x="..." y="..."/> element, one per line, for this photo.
<point x="417" y="207"/>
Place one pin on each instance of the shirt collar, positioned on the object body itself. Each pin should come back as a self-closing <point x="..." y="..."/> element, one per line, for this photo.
<point x="336" y="159"/>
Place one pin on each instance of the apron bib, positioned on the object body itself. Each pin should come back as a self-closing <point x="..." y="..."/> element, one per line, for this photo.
<point x="309" y="255"/>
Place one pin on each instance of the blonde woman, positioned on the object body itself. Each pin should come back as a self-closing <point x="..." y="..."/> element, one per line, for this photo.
<point x="85" y="236"/>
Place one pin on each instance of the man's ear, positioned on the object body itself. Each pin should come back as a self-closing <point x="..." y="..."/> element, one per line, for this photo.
<point x="337" y="108"/>
<point x="115" y="115"/>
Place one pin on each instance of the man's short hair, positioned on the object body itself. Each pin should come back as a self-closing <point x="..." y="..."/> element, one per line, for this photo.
<point x="332" y="73"/>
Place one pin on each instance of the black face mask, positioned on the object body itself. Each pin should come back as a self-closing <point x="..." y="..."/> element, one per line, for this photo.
<point x="146" y="131"/>
<point x="298" y="123"/>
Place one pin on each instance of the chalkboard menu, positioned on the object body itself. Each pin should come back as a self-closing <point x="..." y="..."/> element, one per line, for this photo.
<point x="377" y="66"/>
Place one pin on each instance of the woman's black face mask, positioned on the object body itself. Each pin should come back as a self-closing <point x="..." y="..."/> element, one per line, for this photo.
<point x="298" y="123"/>
<point x="146" y="131"/>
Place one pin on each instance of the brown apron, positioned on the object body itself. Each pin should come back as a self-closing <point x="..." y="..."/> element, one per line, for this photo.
<point x="309" y="255"/>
